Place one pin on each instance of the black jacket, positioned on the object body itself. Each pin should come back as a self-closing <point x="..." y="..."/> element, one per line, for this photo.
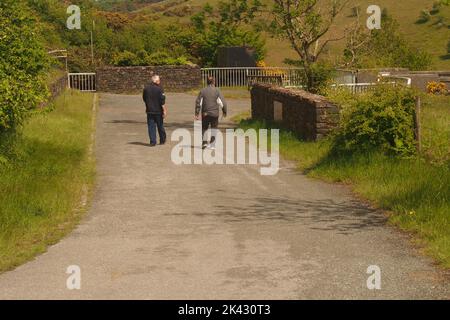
<point x="154" y="98"/>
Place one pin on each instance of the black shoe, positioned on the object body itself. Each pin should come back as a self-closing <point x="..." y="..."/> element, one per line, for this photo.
<point x="152" y="144"/>
<point x="162" y="143"/>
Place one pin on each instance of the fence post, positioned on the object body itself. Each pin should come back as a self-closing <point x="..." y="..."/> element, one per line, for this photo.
<point x="417" y="134"/>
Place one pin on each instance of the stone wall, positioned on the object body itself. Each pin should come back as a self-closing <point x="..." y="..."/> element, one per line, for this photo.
<point x="133" y="79"/>
<point x="58" y="86"/>
<point x="310" y="116"/>
<point x="55" y="89"/>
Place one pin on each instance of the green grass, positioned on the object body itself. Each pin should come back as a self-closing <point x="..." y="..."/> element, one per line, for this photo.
<point x="229" y="92"/>
<point x="414" y="192"/>
<point x="43" y="188"/>
<point x="435" y="119"/>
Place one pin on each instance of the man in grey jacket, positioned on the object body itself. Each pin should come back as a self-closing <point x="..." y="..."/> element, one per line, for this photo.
<point x="208" y="103"/>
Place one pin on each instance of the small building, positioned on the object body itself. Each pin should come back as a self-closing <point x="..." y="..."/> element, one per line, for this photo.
<point x="236" y="57"/>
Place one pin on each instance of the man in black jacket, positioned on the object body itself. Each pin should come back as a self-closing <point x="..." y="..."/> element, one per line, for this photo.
<point x="155" y="101"/>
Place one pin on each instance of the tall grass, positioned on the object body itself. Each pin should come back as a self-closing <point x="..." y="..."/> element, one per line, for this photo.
<point x="42" y="186"/>
<point x="435" y="119"/>
<point x="414" y="192"/>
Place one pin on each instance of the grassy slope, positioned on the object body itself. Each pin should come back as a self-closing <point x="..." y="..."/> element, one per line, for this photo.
<point x="415" y="192"/>
<point x="424" y="37"/>
<point x="41" y="191"/>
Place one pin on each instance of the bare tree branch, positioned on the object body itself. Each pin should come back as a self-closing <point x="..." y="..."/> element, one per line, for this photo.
<point x="304" y="24"/>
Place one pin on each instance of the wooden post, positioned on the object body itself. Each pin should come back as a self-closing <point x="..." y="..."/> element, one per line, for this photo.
<point x="417" y="133"/>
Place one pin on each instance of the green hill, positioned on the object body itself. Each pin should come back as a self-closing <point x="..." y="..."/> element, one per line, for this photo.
<point x="428" y="36"/>
<point x="136" y="25"/>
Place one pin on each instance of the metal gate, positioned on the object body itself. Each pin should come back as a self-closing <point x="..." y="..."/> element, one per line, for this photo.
<point x="82" y="81"/>
<point x="243" y="77"/>
<point x="283" y="76"/>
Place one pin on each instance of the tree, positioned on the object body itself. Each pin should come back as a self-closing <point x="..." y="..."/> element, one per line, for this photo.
<point x="225" y="26"/>
<point x="306" y="23"/>
<point x="357" y="40"/>
<point x="382" y="48"/>
<point x="23" y="61"/>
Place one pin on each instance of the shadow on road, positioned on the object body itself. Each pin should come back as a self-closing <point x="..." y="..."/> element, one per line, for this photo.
<point x="137" y="143"/>
<point x="345" y="218"/>
<point x="171" y="125"/>
<point x="126" y="122"/>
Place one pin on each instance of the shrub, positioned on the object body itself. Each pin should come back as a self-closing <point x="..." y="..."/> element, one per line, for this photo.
<point x="380" y="120"/>
<point x="413" y="59"/>
<point x="318" y="77"/>
<point x="424" y="17"/>
<point x="261" y="64"/>
<point x="437" y="87"/>
<point x="161" y="58"/>
<point x="142" y="58"/>
<point x="23" y="61"/>
<point x="322" y="76"/>
<point x="125" y="59"/>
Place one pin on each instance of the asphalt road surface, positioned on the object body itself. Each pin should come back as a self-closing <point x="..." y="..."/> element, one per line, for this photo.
<point x="156" y="230"/>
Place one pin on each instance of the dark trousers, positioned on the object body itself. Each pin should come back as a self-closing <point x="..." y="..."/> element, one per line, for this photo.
<point x="156" y="121"/>
<point x="206" y="122"/>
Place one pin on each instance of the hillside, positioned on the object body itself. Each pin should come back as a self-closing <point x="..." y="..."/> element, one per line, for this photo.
<point x="426" y="36"/>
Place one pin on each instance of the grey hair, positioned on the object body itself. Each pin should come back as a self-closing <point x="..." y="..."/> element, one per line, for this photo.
<point x="155" y="78"/>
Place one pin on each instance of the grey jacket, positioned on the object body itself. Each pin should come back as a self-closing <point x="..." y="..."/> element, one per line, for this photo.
<point x="209" y="101"/>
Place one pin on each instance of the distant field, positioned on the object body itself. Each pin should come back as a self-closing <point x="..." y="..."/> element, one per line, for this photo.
<point x="422" y="36"/>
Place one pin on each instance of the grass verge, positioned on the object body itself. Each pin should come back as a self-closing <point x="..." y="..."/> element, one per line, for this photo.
<point x="415" y="192"/>
<point x="44" y="189"/>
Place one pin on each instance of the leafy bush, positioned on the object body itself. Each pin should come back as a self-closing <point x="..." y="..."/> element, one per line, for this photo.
<point x="163" y="58"/>
<point x="322" y="75"/>
<point x="380" y="120"/>
<point x="142" y="58"/>
<point x="436" y="87"/>
<point x="318" y="77"/>
<point x="23" y="61"/>
<point x="424" y="17"/>
<point x="126" y="59"/>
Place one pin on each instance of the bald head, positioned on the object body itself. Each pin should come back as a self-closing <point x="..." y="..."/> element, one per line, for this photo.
<point x="156" y="79"/>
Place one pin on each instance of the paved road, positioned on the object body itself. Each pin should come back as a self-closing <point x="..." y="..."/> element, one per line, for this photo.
<point x="160" y="231"/>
